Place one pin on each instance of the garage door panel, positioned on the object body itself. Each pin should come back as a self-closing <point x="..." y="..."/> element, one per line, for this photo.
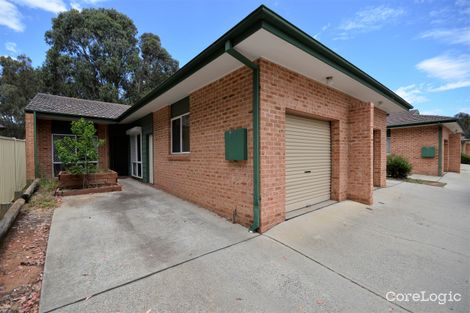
<point x="308" y="162"/>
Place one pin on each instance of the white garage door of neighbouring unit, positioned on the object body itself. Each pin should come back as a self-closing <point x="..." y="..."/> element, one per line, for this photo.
<point x="308" y="162"/>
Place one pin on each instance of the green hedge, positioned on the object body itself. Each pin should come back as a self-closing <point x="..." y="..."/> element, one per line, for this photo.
<point x="398" y="166"/>
<point x="465" y="159"/>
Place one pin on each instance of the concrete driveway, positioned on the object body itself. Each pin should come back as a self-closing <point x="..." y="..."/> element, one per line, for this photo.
<point x="142" y="249"/>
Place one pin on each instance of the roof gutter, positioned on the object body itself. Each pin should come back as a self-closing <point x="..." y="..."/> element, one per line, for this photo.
<point x="73" y="116"/>
<point x="268" y="20"/>
<point x="256" y="137"/>
<point x="426" y="123"/>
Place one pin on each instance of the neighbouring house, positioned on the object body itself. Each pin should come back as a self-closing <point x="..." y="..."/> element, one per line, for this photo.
<point x="263" y="123"/>
<point x="431" y="143"/>
<point x="466" y="145"/>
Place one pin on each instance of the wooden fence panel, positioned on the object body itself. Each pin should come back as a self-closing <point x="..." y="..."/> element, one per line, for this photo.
<point x="12" y="168"/>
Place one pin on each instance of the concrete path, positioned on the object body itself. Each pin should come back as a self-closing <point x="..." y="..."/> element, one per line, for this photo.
<point x="101" y="241"/>
<point x="143" y="249"/>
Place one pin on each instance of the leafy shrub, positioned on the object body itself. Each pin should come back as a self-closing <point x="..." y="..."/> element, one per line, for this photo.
<point x="398" y="166"/>
<point x="465" y="159"/>
<point x="79" y="153"/>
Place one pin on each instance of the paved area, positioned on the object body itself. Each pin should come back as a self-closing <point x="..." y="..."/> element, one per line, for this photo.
<point x="128" y="252"/>
<point x="426" y="177"/>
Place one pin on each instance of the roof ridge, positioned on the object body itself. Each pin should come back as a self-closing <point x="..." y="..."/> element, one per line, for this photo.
<point x="79" y="99"/>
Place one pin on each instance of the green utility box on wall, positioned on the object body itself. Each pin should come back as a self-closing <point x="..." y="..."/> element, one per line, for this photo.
<point x="428" y="152"/>
<point x="236" y="145"/>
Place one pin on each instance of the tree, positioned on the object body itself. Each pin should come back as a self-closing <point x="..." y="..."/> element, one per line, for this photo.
<point x="19" y="82"/>
<point x="155" y="66"/>
<point x="95" y="54"/>
<point x="464" y="119"/>
<point x="79" y="153"/>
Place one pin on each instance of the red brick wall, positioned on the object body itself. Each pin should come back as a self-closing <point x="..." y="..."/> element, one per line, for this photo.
<point x="380" y="148"/>
<point x="360" y="175"/>
<point x="44" y="148"/>
<point x="204" y="176"/>
<point x="454" y="152"/>
<point x="445" y="149"/>
<point x="408" y="142"/>
<point x="467" y="148"/>
<point x="284" y="91"/>
<point x="29" y="137"/>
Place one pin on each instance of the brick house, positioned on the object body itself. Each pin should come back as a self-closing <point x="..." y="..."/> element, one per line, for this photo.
<point x="431" y="143"/>
<point x="261" y="125"/>
<point x="466" y="145"/>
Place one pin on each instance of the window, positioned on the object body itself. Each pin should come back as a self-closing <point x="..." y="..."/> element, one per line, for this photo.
<point x="57" y="165"/>
<point x="136" y="155"/>
<point x="180" y="134"/>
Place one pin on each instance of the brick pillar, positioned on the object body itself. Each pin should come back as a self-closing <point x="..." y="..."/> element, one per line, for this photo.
<point x="360" y="169"/>
<point x="29" y="137"/>
<point x="102" y="133"/>
<point x="380" y="148"/>
<point x="44" y="147"/>
<point x="454" y="152"/>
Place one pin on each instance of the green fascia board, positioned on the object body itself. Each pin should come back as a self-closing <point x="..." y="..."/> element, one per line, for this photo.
<point x="264" y="18"/>
<point x="429" y="123"/>
<point x="52" y="115"/>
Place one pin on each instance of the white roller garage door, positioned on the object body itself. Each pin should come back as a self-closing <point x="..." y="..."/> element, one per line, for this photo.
<point x="308" y="162"/>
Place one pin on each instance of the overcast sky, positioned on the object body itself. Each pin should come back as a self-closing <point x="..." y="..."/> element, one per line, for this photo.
<point x="420" y="49"/>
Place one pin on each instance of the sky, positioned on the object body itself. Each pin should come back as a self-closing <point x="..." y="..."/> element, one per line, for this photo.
<point x="418" y="48"/>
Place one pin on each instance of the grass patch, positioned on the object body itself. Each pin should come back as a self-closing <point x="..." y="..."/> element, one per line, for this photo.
<point x="44" y="198"/>
<point x="425" y="182"/>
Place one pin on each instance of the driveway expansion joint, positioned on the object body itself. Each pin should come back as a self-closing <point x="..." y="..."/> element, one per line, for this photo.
<point x="149" y="275"/>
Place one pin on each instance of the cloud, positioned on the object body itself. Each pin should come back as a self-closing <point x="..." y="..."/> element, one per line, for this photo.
<point x="75" y="5"/>
<point x="451" y="35"/>
<point x="446" y="67"/>
<point x="323" y="29"/>
<point x="371" y="18"/>
<point x="10" y="16"/>
<point x="54" y="6"/>
<point x="11" y="47"/>
<point x="451" y="86"/>
<point x="412" y="94"/>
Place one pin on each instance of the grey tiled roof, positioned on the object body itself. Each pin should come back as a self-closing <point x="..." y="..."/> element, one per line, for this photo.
<point x="45" y="103"/>
<point x="413" y="117"/>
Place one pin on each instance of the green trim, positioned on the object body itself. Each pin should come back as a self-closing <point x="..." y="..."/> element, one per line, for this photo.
<point x="264" y="18"/>
<point x="180" y="107"/>
<point x="90" y="118"/>
<point x="440" y="122"/>
<point x="439" y="165"/>
<point x="36" y="163"/>
<point x="296" y="37"/>
<point x="256" y="153"/>
<point x="240" y="57"/>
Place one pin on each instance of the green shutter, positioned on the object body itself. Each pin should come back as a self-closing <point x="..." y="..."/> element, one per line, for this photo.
<point x="181" y="107"/>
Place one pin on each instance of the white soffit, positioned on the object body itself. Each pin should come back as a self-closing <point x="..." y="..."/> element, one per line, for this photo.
<point x="137" y="130"/>
<point x="206" y="75"/>
<point x="454" y="127"/>
<point x="266" y="45"/>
